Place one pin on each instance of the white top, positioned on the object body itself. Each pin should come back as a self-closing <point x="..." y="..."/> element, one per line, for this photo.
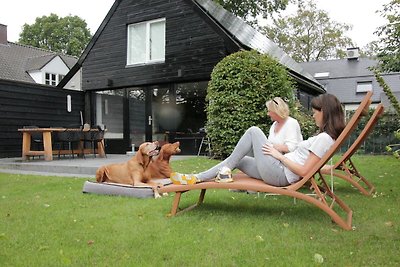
<point x="318" y="144"/>
<point x="289" y="134"/>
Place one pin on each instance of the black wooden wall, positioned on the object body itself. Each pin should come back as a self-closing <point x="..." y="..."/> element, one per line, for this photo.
<point x="32" y="104"/>
<point x="193" y="47"/>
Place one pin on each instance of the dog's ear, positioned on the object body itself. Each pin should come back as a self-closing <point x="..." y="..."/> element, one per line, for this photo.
<point x="161" y="153"/>
<point x="139" y="157"/>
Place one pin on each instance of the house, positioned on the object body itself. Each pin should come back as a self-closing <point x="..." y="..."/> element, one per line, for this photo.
<point x="33" y="65"/>
<point x="146" y="69"/>
<point x="350" y="78"/>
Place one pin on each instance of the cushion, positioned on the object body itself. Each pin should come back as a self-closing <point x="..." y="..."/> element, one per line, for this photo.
<point x="114" y="189"/>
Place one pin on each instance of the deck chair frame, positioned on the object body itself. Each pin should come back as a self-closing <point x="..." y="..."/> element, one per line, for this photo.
<point x="345" y="168"/>
<point x="322" y="196"/>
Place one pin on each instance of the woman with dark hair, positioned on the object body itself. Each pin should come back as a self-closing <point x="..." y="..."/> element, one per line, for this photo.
<point x="258" y="158"/>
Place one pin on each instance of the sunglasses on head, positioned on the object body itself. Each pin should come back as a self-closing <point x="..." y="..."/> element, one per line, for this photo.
<point x="275" y="102"/>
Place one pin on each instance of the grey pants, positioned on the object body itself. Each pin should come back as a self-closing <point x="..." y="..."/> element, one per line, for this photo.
<point x="248" y="157"/>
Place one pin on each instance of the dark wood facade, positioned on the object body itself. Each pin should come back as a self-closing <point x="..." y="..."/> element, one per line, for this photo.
<point x="195" y="42"/>
<point x="23" y="104"/>
<point x="192" y="49"/>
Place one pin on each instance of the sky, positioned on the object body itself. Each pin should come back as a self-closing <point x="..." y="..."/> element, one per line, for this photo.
<point x="15" y="13"/>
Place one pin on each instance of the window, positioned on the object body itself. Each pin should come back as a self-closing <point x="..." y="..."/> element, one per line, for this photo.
<point x="321" y="74"/>
<point x="363" y="87"/>
<point x="146" y="42"/>
<point x="50" y="79"/>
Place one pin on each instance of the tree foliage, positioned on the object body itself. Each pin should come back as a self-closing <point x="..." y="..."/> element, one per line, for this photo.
<point x="309" y="34"/>
<point x="68" y="35"/>
<point x="249" y="10"/>
<point x="240" y="85"/>
<point x="389" y="37"/>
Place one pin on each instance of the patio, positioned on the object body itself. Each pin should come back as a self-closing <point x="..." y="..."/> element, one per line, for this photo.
<point x="77" y="167"/>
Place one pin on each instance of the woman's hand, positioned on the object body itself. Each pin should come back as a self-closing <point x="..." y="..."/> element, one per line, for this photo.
<point x="268" y="149"/>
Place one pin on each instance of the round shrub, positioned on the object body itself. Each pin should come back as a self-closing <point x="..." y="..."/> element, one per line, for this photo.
<point x="240" y="85"/>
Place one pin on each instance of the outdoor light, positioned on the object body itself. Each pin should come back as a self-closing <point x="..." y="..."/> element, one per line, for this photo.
<point x="69" y="103"/>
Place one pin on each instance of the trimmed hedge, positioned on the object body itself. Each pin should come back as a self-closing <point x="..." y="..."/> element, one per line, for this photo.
<point x="240" y="85"/>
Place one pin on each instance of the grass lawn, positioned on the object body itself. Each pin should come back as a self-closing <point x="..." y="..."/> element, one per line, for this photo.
<point x="48" y="221"/>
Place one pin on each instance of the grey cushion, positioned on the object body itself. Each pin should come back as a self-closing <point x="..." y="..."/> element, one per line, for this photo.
<point x="121" y="189"/>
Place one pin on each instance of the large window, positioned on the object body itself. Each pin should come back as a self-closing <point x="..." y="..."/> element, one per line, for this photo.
<point x="146" y="42"/>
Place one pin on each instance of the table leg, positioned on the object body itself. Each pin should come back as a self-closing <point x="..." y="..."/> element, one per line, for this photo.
<point x="48" y="151"/>
<point x="26" y="145"/>
<point x="100" y="149"/>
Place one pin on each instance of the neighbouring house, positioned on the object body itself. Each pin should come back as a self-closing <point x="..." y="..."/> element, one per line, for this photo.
<point x="34" y="65"/>
<point x="28" y="92"/>
<point x="145" y="71"/>
<point x="350" y="78"/>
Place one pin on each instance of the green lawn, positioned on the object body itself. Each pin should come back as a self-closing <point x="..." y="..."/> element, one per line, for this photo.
<point x="47" y="221"/>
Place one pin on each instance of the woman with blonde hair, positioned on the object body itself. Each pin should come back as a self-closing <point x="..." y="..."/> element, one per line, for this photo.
<point x="284" y="132"/>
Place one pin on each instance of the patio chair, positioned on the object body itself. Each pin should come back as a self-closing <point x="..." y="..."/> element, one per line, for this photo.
<point x="36" y="138"/>
<point x="322" y="196"/>
<point x="71" y="138"/>
<point x="95" y="137"/>
<point x="345" y="169"/>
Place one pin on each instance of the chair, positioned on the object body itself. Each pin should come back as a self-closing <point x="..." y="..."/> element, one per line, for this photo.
<point x="70" y="137"/>
<point x="345" y="169"/>
<point x="36" y="137"/>
<point x="95" y="136"/>
<point x="322" y="196"/>
<point x="205" y="140"/>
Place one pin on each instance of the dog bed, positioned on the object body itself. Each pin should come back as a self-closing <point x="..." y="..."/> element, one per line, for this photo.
<point x="114" y="189"/>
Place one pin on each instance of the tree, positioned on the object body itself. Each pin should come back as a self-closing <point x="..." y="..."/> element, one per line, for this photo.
<point x="389" y="38"/>
<point x="68" y="35"/>
<point x="309" y="34"/>
<point x="249" y="10"/>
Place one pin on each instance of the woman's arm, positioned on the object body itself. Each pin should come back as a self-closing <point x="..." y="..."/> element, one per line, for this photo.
<point x="296" y="168"/>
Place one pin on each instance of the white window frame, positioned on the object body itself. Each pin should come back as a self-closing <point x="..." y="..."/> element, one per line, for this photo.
<point x="130" y="61"/>
<point x="52" y="80"/>
<point x="364" y="86"/>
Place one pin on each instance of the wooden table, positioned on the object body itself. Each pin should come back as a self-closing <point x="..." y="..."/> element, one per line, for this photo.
<point x="47" y="151"/>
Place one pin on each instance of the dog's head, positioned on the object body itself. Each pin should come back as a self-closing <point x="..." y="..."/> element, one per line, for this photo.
<point x="168" y="150"/>
<point x="145" y="151"/>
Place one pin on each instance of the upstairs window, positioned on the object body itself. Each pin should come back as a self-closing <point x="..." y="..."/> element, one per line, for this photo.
<point x="363" y="87"/>
<point x="146" y="42"/>
<point x="50" y="79"/>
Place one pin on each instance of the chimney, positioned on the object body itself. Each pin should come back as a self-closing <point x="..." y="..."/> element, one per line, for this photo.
<point x="353" y="53"/>
<point x="3" y="34"/>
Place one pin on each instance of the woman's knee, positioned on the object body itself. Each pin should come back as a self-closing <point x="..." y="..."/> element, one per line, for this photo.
<point x="254" y="129"/>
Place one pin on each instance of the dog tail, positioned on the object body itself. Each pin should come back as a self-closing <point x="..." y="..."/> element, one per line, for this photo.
<point x="101" y="175"/>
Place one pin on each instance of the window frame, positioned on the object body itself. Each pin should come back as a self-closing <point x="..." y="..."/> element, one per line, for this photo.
<point x="129" y="60"/>
<point x="363" y="84"/>
<point x="52" y="80"/>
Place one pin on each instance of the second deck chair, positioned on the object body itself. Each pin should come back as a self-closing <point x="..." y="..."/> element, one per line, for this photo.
<point x="322" y="196"/>
<point x="345" y="169"/>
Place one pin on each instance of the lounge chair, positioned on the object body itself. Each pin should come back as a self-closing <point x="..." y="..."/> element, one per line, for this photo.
<point x="314" y="179"/>
<point x="345" y="169"/>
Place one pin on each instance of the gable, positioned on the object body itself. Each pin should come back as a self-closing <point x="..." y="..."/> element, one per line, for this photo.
<point x="192" y="47"/>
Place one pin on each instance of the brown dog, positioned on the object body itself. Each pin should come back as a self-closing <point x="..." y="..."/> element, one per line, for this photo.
<point x="159" y="166"/>
<point x="130" y="172"/>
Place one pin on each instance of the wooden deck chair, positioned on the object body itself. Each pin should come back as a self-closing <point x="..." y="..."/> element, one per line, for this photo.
<point x="345" y="169"/>
<point x="314" y="178"/>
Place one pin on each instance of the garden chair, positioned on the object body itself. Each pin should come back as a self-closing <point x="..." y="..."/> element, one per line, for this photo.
<point x="95" y="136"/>
<point x="345" y="169"/>
<point x="322" y="196"/>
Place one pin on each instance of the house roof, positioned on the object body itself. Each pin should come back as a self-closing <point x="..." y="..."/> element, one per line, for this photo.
<point x="16" y="60"/>
<point x="234" y="29"/>
<point x="341" y="76"/>
<point x="251" y="38"/>
<point x="341" y="68"/>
